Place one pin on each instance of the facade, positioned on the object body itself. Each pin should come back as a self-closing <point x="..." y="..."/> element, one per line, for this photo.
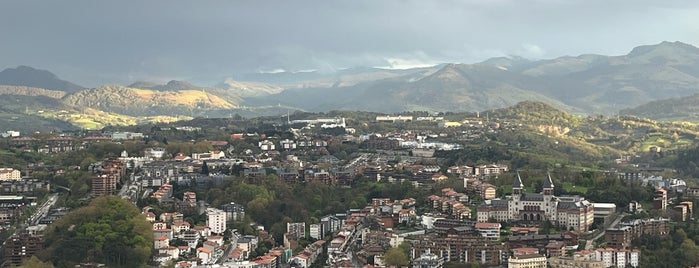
<point x="620" y="236"/>
<point x="10" y="174"/>
<point x="463" y="248"/>
<point x="21" y="247"/>
<point x="316" y="231"/>
<point x="428" y="260"/>
<point x="527" y="261"/>
<point x="572" y="212"/>
<point x="216" y="220"/>
<point x="489" y="230"/>
<point x="297" y="229"/>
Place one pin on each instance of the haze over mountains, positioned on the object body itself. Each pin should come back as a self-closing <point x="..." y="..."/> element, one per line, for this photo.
<point x="585" y="84"/>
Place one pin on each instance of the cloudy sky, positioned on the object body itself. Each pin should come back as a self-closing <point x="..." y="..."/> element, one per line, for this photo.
<point x="95" y="42"/>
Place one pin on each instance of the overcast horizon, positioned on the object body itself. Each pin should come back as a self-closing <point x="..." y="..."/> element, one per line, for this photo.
<point x="92" y="43"/>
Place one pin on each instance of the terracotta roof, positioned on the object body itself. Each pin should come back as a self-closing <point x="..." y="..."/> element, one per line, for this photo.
<point x="488" y="225"/>
<point x="205" y="250"/>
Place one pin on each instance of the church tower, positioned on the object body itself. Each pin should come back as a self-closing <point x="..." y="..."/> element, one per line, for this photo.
<point x="548" y="186"/>
<point x="517" y="188"/>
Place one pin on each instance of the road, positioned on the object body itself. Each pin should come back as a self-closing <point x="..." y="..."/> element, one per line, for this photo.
<point x="43" y="210"/>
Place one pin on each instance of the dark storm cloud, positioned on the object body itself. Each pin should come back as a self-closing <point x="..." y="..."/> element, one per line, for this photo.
<point x="94" y="42"/>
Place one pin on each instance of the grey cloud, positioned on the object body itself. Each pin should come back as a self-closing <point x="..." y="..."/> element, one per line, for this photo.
<point x="94" y="42"/>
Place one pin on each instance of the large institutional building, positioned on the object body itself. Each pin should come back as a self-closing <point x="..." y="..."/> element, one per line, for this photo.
<point x="572" y="212"/>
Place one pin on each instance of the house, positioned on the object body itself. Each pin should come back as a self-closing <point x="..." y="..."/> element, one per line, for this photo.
<point x="204" y="254"/>
<point x="180" y="226"/>
<point x="161" y="242"/>
<point x="159" y="225"/>
<point x="150" y="216"/>
<point x="439" y="177"/>
<point x="191" y="237"/>
<point x="489" y="230"/>
<point x="211" y="245"/>
<point x="163" y="232"/>
<point x="215" y="238"/>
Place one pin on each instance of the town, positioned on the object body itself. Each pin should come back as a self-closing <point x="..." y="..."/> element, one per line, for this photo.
<point x="339" y="192"/>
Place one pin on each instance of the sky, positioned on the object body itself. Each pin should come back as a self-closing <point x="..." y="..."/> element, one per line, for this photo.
<point x="105" y="42"/>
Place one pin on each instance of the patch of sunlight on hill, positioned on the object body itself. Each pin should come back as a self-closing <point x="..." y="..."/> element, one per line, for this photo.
<point x="144" y="93"/>
<point x="189" y="98"/>
<point x="96" y="119"/>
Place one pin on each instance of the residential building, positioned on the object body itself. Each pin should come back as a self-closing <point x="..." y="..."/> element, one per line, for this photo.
<point x="489" y="230"/>
<point x="527" y="261"/>
<point x="660" y="199"/>
<point x="297" y="229"/>
<point x="21" y="247"/>
<point x="428" y="260"/>
<point x="620" y="236"/>
<point x="216" y="220"/>
<point x="10" y="174"/>
<point x="316" y="231"/>
<point x="463" y="248"/>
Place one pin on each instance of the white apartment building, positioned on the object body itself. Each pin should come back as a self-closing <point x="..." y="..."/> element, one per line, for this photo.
<point x="216" y="220"/>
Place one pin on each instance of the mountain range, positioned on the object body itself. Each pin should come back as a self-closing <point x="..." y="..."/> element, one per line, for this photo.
<point x="643" y="82"/>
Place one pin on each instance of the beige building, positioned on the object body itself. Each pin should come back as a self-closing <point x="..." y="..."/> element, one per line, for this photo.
<point x="10" y="174"/>
<point x="527" y="261"/>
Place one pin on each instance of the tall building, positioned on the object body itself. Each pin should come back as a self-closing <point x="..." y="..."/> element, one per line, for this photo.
<point x="297" y="229"/>
<point x="660" y="199"/>
<point x="21" y="247"/>
<point x="104" y="184"/>
<point x="216" y="220"/>
<point x="316" y="231"/>
<point x="572" y="212"/>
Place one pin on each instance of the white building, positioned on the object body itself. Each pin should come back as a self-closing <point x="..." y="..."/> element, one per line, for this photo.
<point x="316" y="231"/>
<point x="489" y="230"/>
<point x="572" y="212"/>
<point x="618" y="257"/>
<point x="154" y="153"/>
<point x="216" y="220"/>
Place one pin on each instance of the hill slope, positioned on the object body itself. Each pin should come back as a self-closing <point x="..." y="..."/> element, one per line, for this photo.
<point x="150" y="102"/>
<point x="30" y="77"/>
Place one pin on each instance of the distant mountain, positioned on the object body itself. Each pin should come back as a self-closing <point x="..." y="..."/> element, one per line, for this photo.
<point x="30" y="77"/>
<point x="30" y="91"/>
<point x="342" y="78"/>
<point x="685" y="108"/>
<point x="592" y="84"/>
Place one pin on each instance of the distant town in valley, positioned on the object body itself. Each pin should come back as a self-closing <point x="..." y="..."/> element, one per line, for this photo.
<point x="356" y="190"/>
<point x="349" y="134"/>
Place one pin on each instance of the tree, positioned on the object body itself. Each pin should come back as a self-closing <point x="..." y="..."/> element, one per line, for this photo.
<point x="205" y="168"/>
<point x="396" y="257"/>
<point x="109" y="230"/>
<point x="34" y="262"/>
